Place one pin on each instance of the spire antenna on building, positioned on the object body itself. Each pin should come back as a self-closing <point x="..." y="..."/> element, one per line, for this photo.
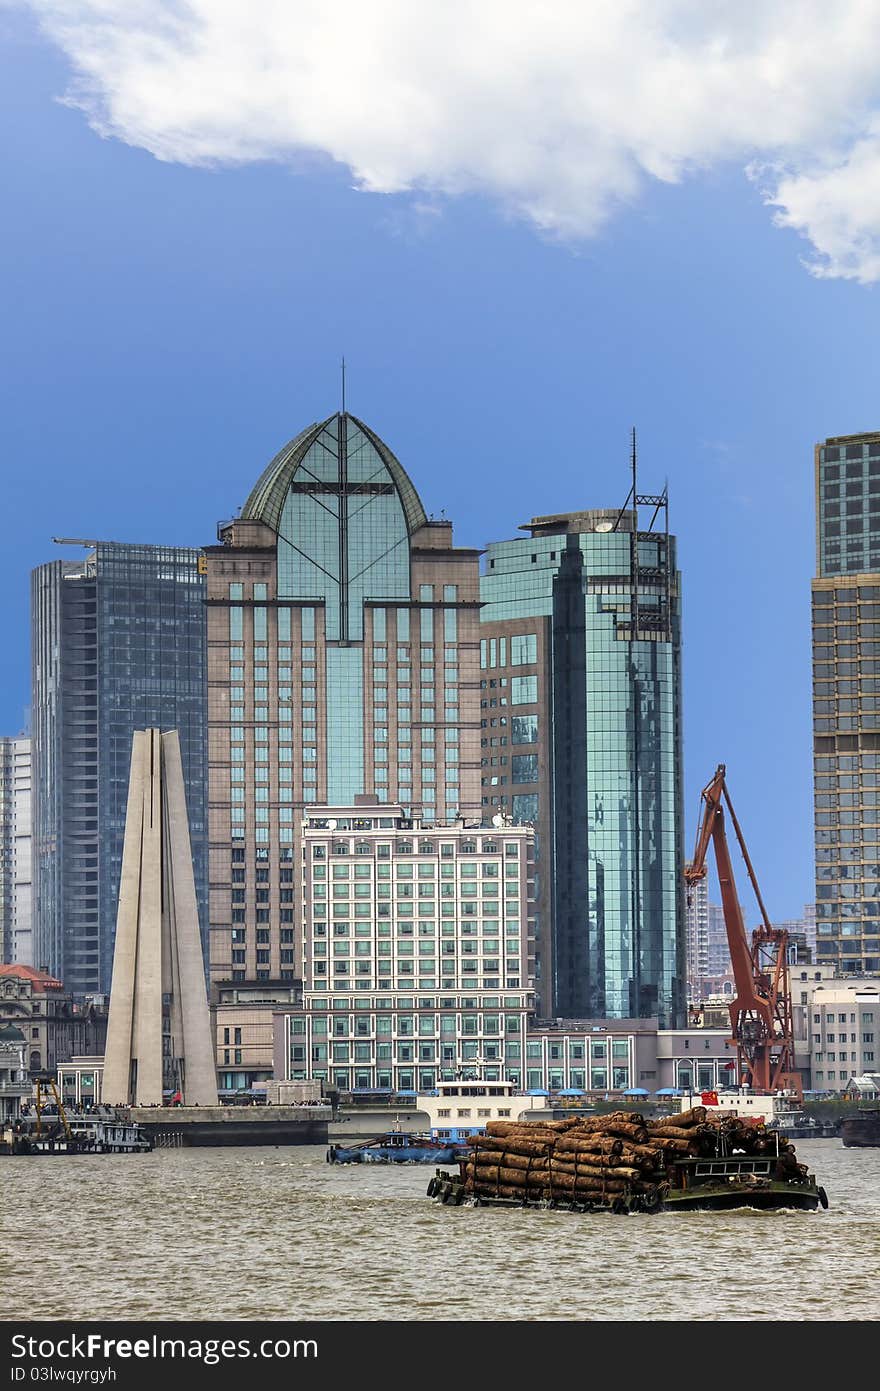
<point x="343" y="386"/>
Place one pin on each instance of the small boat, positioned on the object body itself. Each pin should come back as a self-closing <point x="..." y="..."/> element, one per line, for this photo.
<point x="396" y="1147"/>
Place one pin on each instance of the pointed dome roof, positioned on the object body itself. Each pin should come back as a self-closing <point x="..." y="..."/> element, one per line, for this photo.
<point x="267" y="497"/>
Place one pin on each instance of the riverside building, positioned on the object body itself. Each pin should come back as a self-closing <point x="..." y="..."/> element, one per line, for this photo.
<point x="343" y="661"/>
<point x="417" y="945"/>
<point x="118" y="644"/>
<point x="846" y="703"/>
<point x="580" y="661"/>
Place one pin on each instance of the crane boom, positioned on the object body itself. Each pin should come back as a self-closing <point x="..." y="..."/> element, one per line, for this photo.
<point x="760" y="1013"/>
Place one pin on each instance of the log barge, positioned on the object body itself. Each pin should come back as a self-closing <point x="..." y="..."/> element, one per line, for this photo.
<point x="622" y="1164"/>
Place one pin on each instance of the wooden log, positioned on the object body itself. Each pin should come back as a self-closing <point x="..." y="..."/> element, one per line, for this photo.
<point x="632" y="1117"/>
<point x="670" y="1146"/>
<point x="671" y="1132"/>
<point x="588" y="1182"/>
<point x="695" y="1116"/>
<point x="510" y="1145"/>
<point x="496" y="1142"/>
<point x="529" y="1164"/>
<point x="488" y="1179"/>
<point x="627" y="1130"/>
<point x="594" y="1171"/>
<point x="506" y="1127"/>
<point x="644" y="1155"/>
<point x="603" y="1144"/>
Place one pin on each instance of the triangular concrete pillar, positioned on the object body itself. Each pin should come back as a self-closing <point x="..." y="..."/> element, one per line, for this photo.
<point x="159" y="1027"/>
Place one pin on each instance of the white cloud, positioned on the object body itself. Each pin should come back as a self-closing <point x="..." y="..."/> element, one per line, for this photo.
<point x="560" y="110"/>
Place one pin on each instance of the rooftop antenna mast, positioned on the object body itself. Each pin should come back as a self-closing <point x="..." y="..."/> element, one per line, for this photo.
<point x="636" y="887"/>
<point x="343" y="386"/>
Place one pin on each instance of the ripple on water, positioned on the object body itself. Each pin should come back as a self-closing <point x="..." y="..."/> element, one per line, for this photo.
<point x="278" y="1234"/>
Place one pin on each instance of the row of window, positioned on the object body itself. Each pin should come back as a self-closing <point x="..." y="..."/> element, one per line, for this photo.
<point x="523" y="651"/>
<point x="383" y="849"/>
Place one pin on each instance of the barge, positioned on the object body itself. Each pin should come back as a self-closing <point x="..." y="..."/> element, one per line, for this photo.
<point x="76" y="1136"/>
<point x="623" y="1163"/>
<point x="691" y="1185"/>
<point x="861" y="1129"/>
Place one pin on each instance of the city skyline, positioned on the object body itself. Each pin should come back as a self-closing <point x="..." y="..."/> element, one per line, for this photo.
<point x="190" y="318"/>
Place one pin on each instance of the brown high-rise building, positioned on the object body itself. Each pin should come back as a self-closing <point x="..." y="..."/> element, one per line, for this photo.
<point x="343" y="661"/>
<point x="846" y="703"/>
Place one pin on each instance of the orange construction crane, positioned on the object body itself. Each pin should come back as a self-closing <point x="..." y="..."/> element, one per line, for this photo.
<point x="760" y="1013"/>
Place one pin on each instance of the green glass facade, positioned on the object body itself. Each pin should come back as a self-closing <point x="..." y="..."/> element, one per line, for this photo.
<point x="846" y="702"/>
<point x="602" y="717"/>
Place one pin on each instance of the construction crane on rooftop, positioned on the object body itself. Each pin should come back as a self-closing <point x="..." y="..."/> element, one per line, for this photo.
<point x="761" y="1011"/>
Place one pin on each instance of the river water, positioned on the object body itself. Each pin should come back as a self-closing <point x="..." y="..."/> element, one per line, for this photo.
<point x="277" y="1233"/>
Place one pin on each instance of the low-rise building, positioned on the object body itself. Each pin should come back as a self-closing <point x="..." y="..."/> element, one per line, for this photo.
<point x="15" y="1084"/>
<point x="244" y="1030"/>
<point x="55" y="1026"/>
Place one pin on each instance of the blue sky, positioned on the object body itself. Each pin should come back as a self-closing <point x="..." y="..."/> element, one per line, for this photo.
<point x="168" y="326"/>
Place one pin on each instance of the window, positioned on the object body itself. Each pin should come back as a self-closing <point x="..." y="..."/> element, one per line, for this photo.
<point x="523" y="690"/>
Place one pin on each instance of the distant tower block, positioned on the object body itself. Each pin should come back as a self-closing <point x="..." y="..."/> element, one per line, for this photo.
<point x="158" y="1030"/>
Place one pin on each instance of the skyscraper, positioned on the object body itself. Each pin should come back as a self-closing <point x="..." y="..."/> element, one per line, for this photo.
<point x="697" y="921"/>
<point x="16" y="943"/>
<point x="581" y="734"/>
<point x="118" y="644"/>
<point x="846" y="702"/>
<point x="343" y="653"/>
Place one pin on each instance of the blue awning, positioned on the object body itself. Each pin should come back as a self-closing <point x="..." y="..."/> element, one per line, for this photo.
<point x="668" y="1091"/>
<point x="571" y="1091"/>
<point x="636" y="1091"/>
<point x="537" y="1091"/>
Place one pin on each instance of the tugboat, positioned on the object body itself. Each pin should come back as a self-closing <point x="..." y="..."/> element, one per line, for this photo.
<point x="396" y="1147"/>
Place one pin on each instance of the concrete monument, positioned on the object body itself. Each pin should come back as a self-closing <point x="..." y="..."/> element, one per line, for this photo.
<point x="159" y="1028"/>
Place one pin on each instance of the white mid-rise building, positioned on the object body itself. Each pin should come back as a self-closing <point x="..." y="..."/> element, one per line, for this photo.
<point x="844" y="1021"/>
<point x="418" y="944"/>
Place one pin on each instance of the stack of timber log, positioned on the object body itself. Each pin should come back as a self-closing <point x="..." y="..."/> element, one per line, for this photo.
<point x="618" y="1161"/>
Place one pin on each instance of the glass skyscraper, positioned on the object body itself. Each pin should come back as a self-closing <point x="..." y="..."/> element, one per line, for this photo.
<point x="16" y="925"/>
<point x="581" y="733"/>
<point x="846" y="702"/>
<point x="118" y="644"/>
<point x="343" y="645"/>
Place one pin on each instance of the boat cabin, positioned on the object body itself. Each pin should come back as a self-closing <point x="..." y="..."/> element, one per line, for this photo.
<point x="754" y="1106"/>
<point x="460" y="1108"/>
